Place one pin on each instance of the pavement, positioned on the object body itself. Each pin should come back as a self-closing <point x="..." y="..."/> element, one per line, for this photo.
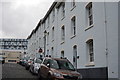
<point x="15" y="71"/>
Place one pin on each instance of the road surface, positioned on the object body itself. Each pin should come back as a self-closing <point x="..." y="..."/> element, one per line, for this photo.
<point x="16" y="71"/>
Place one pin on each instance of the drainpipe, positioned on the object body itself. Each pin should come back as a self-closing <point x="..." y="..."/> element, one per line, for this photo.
<point x="56" y="43"/>
<point x="106" y="35"/>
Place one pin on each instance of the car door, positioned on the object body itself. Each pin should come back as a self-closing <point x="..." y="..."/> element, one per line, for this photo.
<point x="44" y="69"/>
<point x="31" y="66"/>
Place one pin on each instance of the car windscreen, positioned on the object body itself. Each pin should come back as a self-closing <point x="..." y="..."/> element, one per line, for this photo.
<point x="54" y="64"/>
<point x="38" y="61"/>
<point x="61" y="64"/>
<point x="66" y="65"/>
<point x="1" y="58"/>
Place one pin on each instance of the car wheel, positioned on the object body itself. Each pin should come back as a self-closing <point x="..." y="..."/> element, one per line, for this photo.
<point x="29" y="69"/>
<point x="49" y="77"/>
<point x="25" y="67"/>
<point x="39" y="76"/>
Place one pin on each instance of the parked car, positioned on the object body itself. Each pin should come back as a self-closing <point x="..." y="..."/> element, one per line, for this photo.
<point x="34" y="67"/>
<point x="2" y="60"/>
<point x="22" y="62"/>
<point x="58" y="69"/>
<point x="28" y="63"/>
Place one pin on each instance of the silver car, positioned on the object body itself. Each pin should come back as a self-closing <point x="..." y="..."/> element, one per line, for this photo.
<point x="34" y="67"/>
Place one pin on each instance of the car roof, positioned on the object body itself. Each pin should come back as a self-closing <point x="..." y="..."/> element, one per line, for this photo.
<point x="64" y="59"/>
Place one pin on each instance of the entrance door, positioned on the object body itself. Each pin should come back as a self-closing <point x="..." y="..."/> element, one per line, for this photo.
<point x="75" y="56"/>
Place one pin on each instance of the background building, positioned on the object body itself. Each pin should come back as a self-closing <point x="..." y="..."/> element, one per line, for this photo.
<point x="12" y="49"/>
<point x="84" y="32"/>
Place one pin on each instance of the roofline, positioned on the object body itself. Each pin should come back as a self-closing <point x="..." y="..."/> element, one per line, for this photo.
<point x="49" y="11"/>
<point x="31" y="34"/>
<point x="55" y="3"/>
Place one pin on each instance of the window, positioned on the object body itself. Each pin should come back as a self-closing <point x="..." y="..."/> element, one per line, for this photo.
<point x="62" y="54"/>
<point x="53" y="33"/>
<point x="44" y="25"/>
<point x="52" y="52"/>
<point x="89" y="14"/>
<point x="73" y="3"/>
<point x="63" y="10"/>
<point x="48" y="21"/>
<point x="73" y="26"/>
<point x="45" y="62"/>
<point x="48" y="52"/>
<point x="39" y="41"/>
<point x="48" y="38"/>
<point x="62" y="33"/>
<point x="11" y="60"/>
<point x="53" y="15"/>
<point x="90" y="50"/>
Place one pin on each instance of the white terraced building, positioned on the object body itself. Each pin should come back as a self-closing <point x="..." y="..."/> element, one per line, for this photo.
<point x="87" y="33"/>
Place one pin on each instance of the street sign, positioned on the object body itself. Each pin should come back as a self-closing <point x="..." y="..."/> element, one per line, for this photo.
<point x="40" y="50"/>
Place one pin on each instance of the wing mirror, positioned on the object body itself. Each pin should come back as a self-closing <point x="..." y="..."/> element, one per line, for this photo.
<point x="48" y="65"/>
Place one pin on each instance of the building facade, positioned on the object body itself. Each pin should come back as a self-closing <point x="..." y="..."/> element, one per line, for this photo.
<point x="12" y="49"/>
<point x="84" y="32"/>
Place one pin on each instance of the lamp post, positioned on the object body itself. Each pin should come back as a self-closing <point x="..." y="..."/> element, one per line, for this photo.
<point x="45" y="33"/>
<point x="24" y="51"/>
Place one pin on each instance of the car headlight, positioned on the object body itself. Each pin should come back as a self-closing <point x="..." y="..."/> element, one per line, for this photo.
<point x="80" y="77"/>
<point x="37" y="66"/>
<point x="57" y="74"/>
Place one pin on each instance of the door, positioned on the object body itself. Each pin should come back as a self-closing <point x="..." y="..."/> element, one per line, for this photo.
<point x="75" y="56"/>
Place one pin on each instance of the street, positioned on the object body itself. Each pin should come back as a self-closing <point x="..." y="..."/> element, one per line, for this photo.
<point x="16" y="71"/>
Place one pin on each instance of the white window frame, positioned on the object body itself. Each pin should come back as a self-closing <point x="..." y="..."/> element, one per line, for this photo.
<point x="53" y="15"/>
<point x="52" y="51"/>
<point x="62" y="54"/>
<point x="63" y="33"/>
<point x="48" y="38"/>
<point x="73" y="25"/>
<point x="89" y="13"/>
<point x="53" y="31"/>
<point x="48" y="21"/>
<point x="63" y="10"/>
<point x="44" y="25"/>
<point x="73" y="3"/>
<point x="90" y="50"/>
<point x="48" y="52"/>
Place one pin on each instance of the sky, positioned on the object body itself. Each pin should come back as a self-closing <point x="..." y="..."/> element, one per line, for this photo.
<point x="19" y="17"/>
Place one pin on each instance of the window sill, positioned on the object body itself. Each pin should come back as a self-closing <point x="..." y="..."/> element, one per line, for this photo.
<point x="89" y="27"/>
<point x="52" y="40"/>
<point x="48" y="27"/>
<point x="72" y="36"/>
<point x="72" y="8"/>
<point x="62" y="18"/>
<point x="53" y="21"/>
<point x="90" y="64"/>
<point x="62" y="42"/>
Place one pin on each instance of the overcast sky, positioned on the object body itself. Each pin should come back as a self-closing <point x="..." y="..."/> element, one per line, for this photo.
<point x="19" y="17"/>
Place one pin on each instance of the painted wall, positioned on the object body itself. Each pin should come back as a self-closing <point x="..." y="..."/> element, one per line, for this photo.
<point x="104" y="34"/>
<point x="119" y="39"/>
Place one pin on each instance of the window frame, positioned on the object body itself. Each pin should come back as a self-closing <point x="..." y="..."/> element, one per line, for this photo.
<point x="73" y="25"/>
<point x="89" y="8"/>
<point x="63" y="33"/>
<point x="90" y="51"/>
<point x="73" y="4"/>
<point x="62" y="54"/>
<point x="53" y="15"/>
<point x="48" y="36"/>
<point x="53" y="31"/>
<point x="63" y="11"/>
